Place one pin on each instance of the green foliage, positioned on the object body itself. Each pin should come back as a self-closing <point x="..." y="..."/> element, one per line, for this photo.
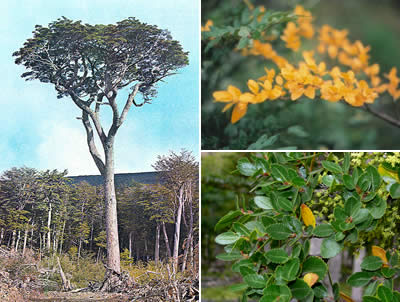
<point x="269" y="238"/>
<point x="82" y="60"/>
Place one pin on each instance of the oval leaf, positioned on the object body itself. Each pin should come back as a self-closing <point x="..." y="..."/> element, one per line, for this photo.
<point x="227" y="238"/>
<point x="371" y="263"/>
<point x="277" y="256"/>
<point x="278" y="231"/>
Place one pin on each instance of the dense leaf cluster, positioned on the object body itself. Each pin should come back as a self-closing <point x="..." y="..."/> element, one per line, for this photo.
<point x="270" y="238"/>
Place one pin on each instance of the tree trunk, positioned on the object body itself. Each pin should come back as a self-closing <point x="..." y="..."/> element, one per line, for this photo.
<point x="62" y="237"/>
<point x="146" y="254"/>
<point x="113" y="256"/>
<point x="25" y="239"/>
<point x="1" y="235"/>
<point x="185" y="253"/>
<point x="48" y="228"/>
<point x="13" y="239"/>
<point x="177" y="230"/>
<point x="40" y="246"/>
<point x="79" y="249"/>
<point x="166" y="240"/>
<point x="18" y="239"/>
<point x="191" y="221"/>
<point x="157" y="247"/>
<point x="130" y="246"/>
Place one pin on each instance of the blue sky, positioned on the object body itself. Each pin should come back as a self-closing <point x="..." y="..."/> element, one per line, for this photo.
<point x="40" y="131"/>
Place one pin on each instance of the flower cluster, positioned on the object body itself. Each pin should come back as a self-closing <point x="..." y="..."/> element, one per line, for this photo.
<point x="350" y="77"/>
<point x="293" y="32"/>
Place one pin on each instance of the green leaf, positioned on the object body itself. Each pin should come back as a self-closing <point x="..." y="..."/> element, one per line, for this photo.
<point x="375" y="178"/>
<point x="339" y="236"/>
<point x="278" y="231"/>
<point x="377" y="207"/>
<point x="272" y="292"/>
<point x="370" y="299"/>
<point x="323" y="230"/>
<point x="263" y="142"/>
<point x="387" y="272"/>
<point x="395" y="190"/>
<point x="245" y="167"/>
<point x="371" y="263"/>
<point x="255" y="280"/>
<point x="361" y="216"/>
<point x="227" y="219"/>
<point x="320" y="291"/>
<point x="229" y="256"/>
<point x="284" y="203"/>
<point x="352" y="206"/>
<point x="298" y="181"/>
<point x="348" y="182"/>
<point x="394" y="259"/>
<point x="332" y="167"/>
<point x="328" y="180"/>
<point x="315" y="265"/>
<point x="364" y="182"/>
<point x="238" y="287"/>
<point x="330" y="248"/>
<point x="290" y="269"/>
<point x="360" y="279"/>
<point x="241" y="229"/>
<point x="263" y="202"/>
<point x="370" y="290"/>
<point x="300" y="289"/>
<point x="255" y="225"/>
<point x="266" y="221"/>
<point x="279" y="172"/>
<point x="336" y="291"/>
<point x="340" y="214"/>
<point x="385" y="294"/>
<point x="227" y="238"/>
<point x="277" y="256"/>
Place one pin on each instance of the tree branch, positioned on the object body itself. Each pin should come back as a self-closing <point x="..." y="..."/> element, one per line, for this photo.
<point x="91" y="143"/>
<point x="94" y="116"/>
<point x="129" y="103"/>
<point x="382" y="116"/>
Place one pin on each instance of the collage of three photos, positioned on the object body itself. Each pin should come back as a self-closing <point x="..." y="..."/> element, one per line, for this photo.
<point x="240" y="150"/>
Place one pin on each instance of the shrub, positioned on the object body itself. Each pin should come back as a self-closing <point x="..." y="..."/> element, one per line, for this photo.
<point x="269" y="238"/>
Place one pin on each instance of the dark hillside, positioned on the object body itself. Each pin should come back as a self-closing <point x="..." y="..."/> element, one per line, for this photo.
<point x="121" y="179"/>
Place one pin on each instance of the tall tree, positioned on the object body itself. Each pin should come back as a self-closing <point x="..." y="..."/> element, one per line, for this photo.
<point x="90" y="64"/>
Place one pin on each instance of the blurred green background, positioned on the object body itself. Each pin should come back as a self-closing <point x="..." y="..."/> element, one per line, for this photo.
<point x="304" y="124"/>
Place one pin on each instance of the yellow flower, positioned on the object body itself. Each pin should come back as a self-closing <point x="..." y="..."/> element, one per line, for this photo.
<point x="310" y="279"/>
<point x="207" y="26"/>
<point x="307" y="216"/>
<point x="394" y="82"/>
<point x="291" y="36"/>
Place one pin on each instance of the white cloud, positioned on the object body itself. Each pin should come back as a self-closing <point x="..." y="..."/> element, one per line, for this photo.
<point x="64" y="147"/>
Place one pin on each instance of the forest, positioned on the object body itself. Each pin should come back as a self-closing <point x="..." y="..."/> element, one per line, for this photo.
<point x="44" y="215"/>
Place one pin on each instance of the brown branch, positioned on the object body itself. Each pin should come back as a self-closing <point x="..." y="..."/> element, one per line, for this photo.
<point x="382" y="116"/>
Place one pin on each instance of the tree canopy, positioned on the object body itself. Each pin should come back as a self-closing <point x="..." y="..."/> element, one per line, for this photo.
<point x="86" y="60"/>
